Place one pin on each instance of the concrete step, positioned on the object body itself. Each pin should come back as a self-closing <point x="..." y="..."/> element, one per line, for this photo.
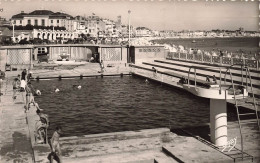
<point x="195" y="151"/>
<point x="144" y="156"/>
<point x="182" y="71"/>
<point x="163" y="158"/>
<point x="213" y="69"/>
<point x="202" y="73"/>
<point x="235" y="69"/>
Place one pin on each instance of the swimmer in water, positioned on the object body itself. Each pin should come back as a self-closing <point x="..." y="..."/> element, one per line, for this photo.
<point x="38" y="92"/>
<point x="77" y="86"/>
<point x="56" y="90"/>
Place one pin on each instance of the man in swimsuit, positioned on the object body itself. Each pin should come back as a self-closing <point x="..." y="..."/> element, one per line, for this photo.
<point x="23" y="79"/>
<point x="29" y="96"/>
<point x="102" y="67"/>
<point x="154" y="72"/>
<point x="207" y="79"/>
<point x="55" y="145"/>
<point x="16" y="86"/>
<point x="214" y="79"/>
<point x="44" y="124"/>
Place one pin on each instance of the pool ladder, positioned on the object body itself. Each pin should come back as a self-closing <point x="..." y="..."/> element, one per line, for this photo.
<point x="239" y="103"/>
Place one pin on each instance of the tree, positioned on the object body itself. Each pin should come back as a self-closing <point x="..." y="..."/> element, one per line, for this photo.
<point x="37" y="41"/>
<point x="23" y="41"/>
<point x="28" y="27"/>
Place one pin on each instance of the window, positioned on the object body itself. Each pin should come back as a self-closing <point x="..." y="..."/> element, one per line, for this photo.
<point x="20" y="21"/>
<point x="36" y="22"/>
<point x="14" y="21"/>
<point x="51" y="21"/>
<point x="43" y="22"/>
<point x="58" y="21"/>
<point x="29" y="21"/>
<point x="41" y="50"/>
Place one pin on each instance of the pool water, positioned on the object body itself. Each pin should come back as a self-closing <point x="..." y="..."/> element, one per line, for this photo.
<point x="113" y="104"/>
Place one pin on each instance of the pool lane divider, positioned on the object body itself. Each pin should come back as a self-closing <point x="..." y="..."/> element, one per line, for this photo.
<point x="60" y="77"/>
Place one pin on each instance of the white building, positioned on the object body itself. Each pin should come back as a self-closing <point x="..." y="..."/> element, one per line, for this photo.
<point x="143" y="32"/>
<point x="54" y="34"/>
<point x="44" y="18"/>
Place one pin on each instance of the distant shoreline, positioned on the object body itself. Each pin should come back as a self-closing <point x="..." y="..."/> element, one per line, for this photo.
<point x="246" y="45"/>
<point x="198" y="37"/>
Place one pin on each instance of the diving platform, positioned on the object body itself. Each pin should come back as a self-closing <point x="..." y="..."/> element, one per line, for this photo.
<point x="220" y="90"/>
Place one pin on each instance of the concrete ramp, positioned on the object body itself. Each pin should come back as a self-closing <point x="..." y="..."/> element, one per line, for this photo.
<point x="194" y="151"/>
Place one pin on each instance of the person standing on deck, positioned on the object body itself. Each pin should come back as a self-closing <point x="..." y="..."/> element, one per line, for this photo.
<point x="30" y="91"/>
<point x="16" y="86"/>
<point x="41" y="127"/>
<point x="154" y="72"/>
<point x="55" y="145"/>
<point x="23" y="79"/>
<point x="214" y="79"/>
<point x="207" y="79"/>
<point x="102" y="67"/>
<point x="29" y="76"/>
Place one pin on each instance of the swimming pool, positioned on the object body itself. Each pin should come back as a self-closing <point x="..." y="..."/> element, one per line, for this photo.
<point x="113" y="104"/>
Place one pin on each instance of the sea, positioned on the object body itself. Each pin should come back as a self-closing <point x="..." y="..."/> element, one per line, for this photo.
<point x="248" y="45"/>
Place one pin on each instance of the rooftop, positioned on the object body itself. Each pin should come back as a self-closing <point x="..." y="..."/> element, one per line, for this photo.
<point x="43" y="12"/>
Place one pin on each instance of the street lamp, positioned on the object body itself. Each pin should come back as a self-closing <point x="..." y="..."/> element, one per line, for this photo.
<point x="129" y="12"/>
<point x="129" y="29"/>
<point x="13" y="31"/>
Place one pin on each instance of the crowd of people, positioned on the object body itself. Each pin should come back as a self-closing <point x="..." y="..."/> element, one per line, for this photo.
<point x="22" y="84"/>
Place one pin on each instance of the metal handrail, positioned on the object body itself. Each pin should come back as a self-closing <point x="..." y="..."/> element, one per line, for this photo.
<point x="240" y="129"/>
<point x="195" y="76"/>
<point x="247" y="75"/>
<point x="256" y="112"/>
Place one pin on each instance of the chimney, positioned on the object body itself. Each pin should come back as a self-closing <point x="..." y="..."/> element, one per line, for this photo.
<point x="22" y="12"/>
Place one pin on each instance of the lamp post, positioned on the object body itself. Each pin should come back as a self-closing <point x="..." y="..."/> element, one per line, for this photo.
<point x="129" y="29"/>
<point x="129" y="12"/>
<point x="13" y="31"/>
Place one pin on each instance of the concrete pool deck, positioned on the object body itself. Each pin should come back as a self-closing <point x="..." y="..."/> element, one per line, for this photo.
<point x="144" y="146"/>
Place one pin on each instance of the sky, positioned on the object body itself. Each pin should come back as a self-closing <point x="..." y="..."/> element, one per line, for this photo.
<point x="155" y="14"/>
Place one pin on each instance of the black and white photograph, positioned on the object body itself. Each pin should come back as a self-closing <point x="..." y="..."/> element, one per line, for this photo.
<point x="129" y="81"/>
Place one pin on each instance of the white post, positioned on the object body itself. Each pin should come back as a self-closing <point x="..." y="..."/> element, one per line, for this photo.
<point x="218" y="122"/>
<point x="13" y="32"/>
<point x="129" y="29"/>
<point x="129" y="36"/>
<point x="31" y="57"/>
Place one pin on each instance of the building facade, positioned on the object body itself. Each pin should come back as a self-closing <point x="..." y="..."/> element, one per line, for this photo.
<point x="44" y="18"/>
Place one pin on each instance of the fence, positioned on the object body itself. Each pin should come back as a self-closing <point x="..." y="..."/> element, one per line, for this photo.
<point x="18" y="56"/>
<point x="111" y="53"/>
<point x="213" y="59"/>
<point x="16" y="59"/>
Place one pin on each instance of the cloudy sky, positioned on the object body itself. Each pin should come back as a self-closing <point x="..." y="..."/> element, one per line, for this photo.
<point x="158" y="15"/>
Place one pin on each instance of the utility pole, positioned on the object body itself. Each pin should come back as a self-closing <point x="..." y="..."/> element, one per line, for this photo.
<point x="13" y="31"/>
<point x="129" y="30"/>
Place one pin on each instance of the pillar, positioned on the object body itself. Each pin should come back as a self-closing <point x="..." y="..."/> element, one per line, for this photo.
<point x="31" y="58"/>
<point x="218" y="121"/>
<point x="35" y="54"/>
